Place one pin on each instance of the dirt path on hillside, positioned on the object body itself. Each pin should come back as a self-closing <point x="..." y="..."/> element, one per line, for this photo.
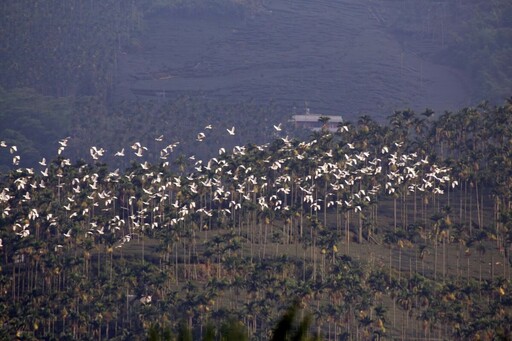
<point x="338" y="56"/>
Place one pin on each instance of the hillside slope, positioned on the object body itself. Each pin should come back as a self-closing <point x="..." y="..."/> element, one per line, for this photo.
<point x="338" y="56"/>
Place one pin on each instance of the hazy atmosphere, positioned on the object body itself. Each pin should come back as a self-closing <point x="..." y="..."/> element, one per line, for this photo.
<point x="255" y="170"/>
<point x="86" y="69"/>
<point x="339" y="57"/>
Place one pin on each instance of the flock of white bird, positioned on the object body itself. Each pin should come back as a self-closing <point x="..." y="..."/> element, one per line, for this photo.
<point x="270" y="177"/>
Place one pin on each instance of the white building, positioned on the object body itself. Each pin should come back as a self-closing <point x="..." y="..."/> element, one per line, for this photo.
<point x="312" y="121"/>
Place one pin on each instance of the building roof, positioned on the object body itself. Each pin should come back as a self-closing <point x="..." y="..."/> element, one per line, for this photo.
<point x="315" y="118"/>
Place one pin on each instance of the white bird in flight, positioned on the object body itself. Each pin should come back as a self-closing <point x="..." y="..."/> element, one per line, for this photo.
<point x="120" y="153"/>
<point x="16" y="160"/>
<point x="63" y="144"/>
<point x="139" y="151"/>
<point x="96" y="153"/>
<point x="231" y="131"/>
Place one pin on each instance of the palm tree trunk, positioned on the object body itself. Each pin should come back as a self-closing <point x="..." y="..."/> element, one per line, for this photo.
<point x="478" y="214"/>
<point x="444" y="258"/>
<point x="360" y="229"/>
<point x="304" y="265"/>
<point x="399" y="263"/>
<point x="347" y="230"/>
<point x="176" y="262"/>
<point x="265" y="240"/>
<point x="390" y="260"/>
<point x="404" y="209"/>
<point x="415" y="209"/>
<point x="470" y="215"/>
<point x="394" y="213"/>
<point x="435" y="257"/>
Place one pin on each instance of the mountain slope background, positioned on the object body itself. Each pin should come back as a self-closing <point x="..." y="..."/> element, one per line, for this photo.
<point x="124" y="71"/>
<point x="336" y="57"/>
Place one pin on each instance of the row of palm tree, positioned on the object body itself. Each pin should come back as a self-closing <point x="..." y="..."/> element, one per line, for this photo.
<point x="91" y="252"/>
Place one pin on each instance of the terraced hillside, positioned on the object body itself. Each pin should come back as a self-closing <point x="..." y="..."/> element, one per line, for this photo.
<point x="338" y="56"/>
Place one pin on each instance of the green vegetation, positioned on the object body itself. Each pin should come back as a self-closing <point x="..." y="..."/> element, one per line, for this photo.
<point x="64" y="48"/>
<point x="397" y="230"/>
<point x="71" y="48"/>
<point x="31" y="120"/>
<point x="58" y="64"/>
<point x="484" y="46"/>
<point x="67" y="53"/>
<point x="285" y="329"/>
<point x="388" y="230"/>
<point x="474" y="35"/>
